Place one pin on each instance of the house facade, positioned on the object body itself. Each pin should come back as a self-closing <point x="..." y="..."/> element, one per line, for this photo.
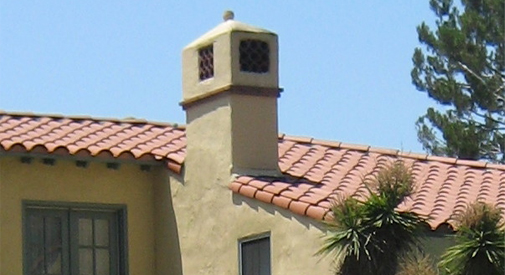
<point x="224" y="194"/>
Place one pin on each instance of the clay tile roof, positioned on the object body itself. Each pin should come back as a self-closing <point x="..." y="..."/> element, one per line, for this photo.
<point x="317" y="172"/>
<point x="93" y="137"/>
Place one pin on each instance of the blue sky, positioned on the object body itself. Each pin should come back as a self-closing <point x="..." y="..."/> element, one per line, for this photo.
<point x="344" y="65"/>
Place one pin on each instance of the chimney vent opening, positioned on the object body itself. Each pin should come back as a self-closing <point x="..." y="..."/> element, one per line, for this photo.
<point x="254" y="56"/>
<point x="206" y="62"/>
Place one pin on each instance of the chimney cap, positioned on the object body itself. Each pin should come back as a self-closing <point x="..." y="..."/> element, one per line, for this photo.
<point x="228" y="26"/>
<point x="228" y="15"/>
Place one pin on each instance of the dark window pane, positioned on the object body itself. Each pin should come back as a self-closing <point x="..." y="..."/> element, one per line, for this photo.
<point x="53" y="244"/>
<point x="102" y="232"/>
<point x="36" y="230"/>
<point x="250" y="260"/>
<point x="86" y="261"/>
<point x="256" y="257"/>
<point x="36" y="260"/>
<point x="85" y="232"/>
<point x="54" y="262"/>
<point x="102" y="262"/>
<point x="264" y="256"/>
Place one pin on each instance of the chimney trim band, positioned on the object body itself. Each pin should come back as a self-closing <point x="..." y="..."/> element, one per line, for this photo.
<point x="233" y="89"/>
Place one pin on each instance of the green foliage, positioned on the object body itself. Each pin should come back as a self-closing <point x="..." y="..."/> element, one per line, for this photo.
<point x="480" y="247"/>
<point x="417" y="263"/>
<point x="462" y="68"/>
<point x="348" y="238"/>
<point x="368" y="237"/>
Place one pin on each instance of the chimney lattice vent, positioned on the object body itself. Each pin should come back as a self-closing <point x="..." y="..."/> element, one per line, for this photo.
<point x="254" y="56"/>
<point x="206" y="62"/>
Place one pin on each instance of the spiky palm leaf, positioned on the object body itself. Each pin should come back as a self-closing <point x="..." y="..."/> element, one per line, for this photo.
<point x="347" y="238"/>
<point x="393" y="233"/>
<point x="480" y="239"/>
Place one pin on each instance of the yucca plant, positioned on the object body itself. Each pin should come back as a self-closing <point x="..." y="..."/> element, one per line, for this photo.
<point x="348" y="237"/>
<point x="368" y="237"/>
<point x="480" y="243"/>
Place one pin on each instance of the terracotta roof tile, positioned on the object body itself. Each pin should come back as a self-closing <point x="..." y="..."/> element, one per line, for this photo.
<point x="325" y="204"/>
<point x="328" y="143"/>
<point x="280" y="201"/>
<point x="299" y="207"/>
<point x="312" y="198"/>
<point x="331" y="169"/>
<point x="86" y="137"/>
<point x="298" y="139"/>
<point x="276" y="187"/>
<point x="316" y="212"/>
<point x="258" y="184"/>
<point x="235" y="186"/>
<point x="248" y="191"/>
<point x="355" y="147"/>
<point x="264" y="196"/>
<point x="315" y="171"/>
<point x="244" y="179"/>
<point x="292" y="193"/>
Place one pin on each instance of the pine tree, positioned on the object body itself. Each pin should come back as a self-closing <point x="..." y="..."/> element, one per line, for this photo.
<point x="462" y="67"/>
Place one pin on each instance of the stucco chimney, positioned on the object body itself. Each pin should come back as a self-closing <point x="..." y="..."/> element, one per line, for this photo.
<point x="230" y="91"/>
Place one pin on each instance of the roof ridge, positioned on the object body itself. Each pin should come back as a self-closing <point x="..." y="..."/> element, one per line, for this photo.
<point x="298" y="139"/>
<point x="392" y="152"/>
<point x="130" y="120"/>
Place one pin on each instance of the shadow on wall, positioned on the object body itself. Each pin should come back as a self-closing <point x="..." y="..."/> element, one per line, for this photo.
<point x="307" y="222"/>
<point x="168" y="250"/>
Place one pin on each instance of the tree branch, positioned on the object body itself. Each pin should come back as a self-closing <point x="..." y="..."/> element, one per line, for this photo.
<point x="486" y="117"/>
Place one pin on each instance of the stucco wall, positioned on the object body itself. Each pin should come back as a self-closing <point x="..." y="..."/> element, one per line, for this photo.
<point x="436" y="243"/>
<point x="65" y="182"/>
<point x="211" y="219"/>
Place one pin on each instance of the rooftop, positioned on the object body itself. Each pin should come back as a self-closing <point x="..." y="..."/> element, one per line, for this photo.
<point x="315" y="172"/>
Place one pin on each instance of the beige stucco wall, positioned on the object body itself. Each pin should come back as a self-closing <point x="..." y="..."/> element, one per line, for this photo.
<point x="254" y="134"/>
<point x="211" y="219"/>
<point x="436" y="243"/>
<point x="65" y="182"/>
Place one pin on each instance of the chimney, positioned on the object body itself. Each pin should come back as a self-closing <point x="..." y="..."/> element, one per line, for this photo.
<point x="230" y="90"/>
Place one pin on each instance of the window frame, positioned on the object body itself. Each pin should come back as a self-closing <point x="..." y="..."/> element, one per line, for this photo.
<point x="120" y="210"/>
<point x="251" y="238"/>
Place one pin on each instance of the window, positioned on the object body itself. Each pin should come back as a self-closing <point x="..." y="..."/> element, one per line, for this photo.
<point x="255" y="256"/>
<point x="206" y="62"/>
<point x="254" y="56"/>
<point x="73" y="240"/>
